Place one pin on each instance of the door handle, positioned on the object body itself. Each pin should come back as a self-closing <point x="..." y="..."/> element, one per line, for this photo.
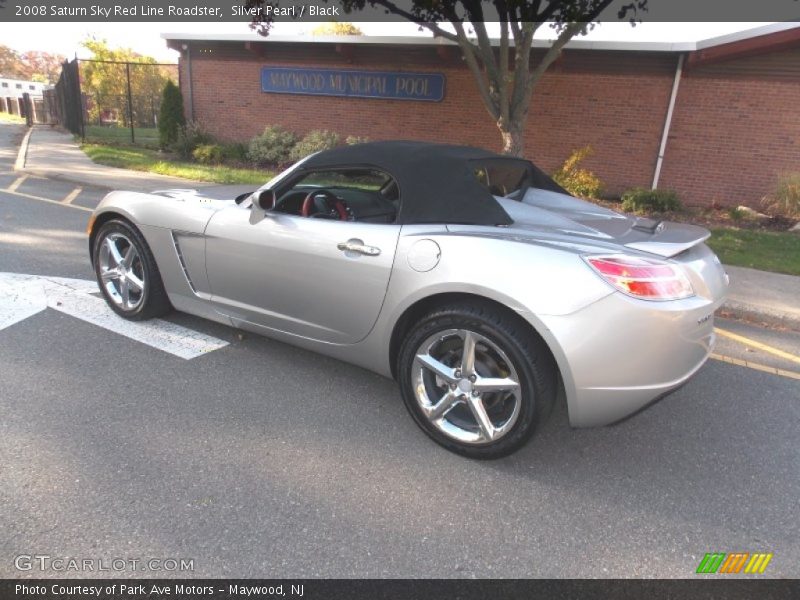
<point x="358" y="247"/>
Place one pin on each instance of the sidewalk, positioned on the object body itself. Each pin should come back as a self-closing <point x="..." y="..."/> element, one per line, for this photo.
<point x="753" y="295"/>
<point x="769" y="297"/>
<point x="54" y="154"/>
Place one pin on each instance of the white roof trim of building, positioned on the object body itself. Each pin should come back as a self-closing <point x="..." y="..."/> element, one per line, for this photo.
<point x="745" y="35"/>
<point x="577" y="44"/>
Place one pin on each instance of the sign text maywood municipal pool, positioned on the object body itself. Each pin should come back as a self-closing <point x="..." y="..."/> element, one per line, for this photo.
<point x="353" y="83"/>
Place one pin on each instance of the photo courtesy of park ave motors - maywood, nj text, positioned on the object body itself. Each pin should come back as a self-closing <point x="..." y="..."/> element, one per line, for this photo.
<point x="399" y="299"/>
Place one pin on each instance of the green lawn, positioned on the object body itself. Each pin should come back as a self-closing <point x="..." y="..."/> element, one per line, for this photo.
<point x="767" y="251"/>
<point x="9" y="118"/>
<point x="152" y="161"/>
<point x="145" y="136"/>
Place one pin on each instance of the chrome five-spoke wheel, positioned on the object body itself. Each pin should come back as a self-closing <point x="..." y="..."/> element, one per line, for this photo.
<point x="466" y="386"/>
<point x="476" y="378"/>
<point x="127" y="272"/>
<point x="121" y="271"/>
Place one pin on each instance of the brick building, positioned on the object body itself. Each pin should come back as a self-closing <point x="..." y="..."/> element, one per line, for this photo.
<point x="734" y="126"/>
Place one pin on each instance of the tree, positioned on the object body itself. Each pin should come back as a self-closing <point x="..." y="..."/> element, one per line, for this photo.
<point x="42" y="66"/>
<point x="105" y="82"/>
<point x="170" y="115"/>
<point x="30" y="66"/>
<point x="336" y="28"/>
<point x="9" y="62"/>
<point x="505" y="72"/>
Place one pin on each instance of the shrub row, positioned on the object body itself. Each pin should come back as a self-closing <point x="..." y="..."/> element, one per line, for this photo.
<point x="585" y="184"/>
<point x="643" y="200"/>
<point x="277" y="146"/>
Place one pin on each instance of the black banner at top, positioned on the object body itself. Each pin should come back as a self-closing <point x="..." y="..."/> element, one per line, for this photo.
<point x="216" y="11"/>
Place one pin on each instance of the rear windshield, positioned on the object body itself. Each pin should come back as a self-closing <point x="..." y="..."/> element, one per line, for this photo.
<point x="502" y="176"/>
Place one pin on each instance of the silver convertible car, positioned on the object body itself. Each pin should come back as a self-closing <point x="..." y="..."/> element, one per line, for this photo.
<point x="471" y="278"/>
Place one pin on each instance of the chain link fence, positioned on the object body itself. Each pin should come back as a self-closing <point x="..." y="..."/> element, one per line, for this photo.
<point x="110" y="101"/>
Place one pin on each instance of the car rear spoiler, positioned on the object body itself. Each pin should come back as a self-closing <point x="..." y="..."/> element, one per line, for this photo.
<point x="668" y="239"/>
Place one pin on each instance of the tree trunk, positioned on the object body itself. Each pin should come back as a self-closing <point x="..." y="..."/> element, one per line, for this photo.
<point x="513" y="139"/>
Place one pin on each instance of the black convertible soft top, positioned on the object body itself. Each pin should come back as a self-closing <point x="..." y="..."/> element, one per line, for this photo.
<point x="438" y="182"/>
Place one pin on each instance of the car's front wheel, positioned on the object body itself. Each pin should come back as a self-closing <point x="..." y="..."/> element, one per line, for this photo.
<point x="475" y="379"/>
<point x="127" y="272"/>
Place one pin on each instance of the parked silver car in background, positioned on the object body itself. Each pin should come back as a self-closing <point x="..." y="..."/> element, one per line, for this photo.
<point x="471" y="278"/>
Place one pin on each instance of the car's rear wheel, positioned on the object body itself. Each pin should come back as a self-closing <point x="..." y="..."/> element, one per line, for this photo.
<point x="127" y="272"/>
<point x="475" y="379"/>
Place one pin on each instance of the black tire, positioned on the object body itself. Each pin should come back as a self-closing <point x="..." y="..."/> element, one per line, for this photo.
<point x="153" y="300"/>
<point x="526" y="351"/>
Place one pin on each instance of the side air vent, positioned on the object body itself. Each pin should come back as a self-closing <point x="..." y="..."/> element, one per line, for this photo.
<point x="182" y="261"/>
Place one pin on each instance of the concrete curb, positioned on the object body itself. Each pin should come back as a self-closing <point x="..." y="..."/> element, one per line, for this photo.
<point x="22" y="153"/>
<point x="733" y="309"/>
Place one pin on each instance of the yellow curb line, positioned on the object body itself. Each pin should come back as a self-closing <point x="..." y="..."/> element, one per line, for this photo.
<point x="748" y="342"/>
<point x="756" y="366"/>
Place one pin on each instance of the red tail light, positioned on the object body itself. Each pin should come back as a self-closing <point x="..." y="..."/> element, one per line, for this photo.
<point x="644" y="278"/>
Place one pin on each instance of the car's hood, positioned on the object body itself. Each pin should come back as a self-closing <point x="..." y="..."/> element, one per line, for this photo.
<point x="213" y="197"/>
<point x="570" y="219"/>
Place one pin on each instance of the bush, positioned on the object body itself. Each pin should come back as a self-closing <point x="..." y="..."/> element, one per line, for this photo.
<point x="170" y="116"/>
<point x="351" y="140"/>
<point x="315" y="141"/>
<point x="272" y="147"/>
<point x="208" y="154"/>
<point x="235" y="152"/>
<point x="642" y="200"/>
<point x="577" y="181"/>
<point x="736" y="214"/>
<point x="786" y="199"/>
<point x="190" y="136"/>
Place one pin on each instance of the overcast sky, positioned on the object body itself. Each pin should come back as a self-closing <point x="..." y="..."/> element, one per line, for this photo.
<point x="65" y="38"/>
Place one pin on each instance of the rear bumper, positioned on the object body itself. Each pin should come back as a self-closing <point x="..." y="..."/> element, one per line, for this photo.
<point x="620" y="354"/>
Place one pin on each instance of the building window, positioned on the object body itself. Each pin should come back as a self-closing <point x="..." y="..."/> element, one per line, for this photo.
<point x="31" y="87"/>
<point x="19" y="86"/>
<point x="5" y="84"/>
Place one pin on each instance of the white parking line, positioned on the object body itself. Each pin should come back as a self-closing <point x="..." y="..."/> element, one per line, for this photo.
<point x="17" y="182"/>
<point x="8" y="190"/>
<point x="22" y="296"/>
<point x="72" y="195"/>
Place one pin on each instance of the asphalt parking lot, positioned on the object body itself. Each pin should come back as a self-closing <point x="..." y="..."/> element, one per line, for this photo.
<point x="258" y="459"/>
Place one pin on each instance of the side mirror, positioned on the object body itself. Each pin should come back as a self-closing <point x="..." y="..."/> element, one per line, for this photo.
<point x="265" y="199"/>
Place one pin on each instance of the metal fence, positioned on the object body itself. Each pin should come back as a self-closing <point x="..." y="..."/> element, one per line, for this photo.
<point x="121" y="100"/>
<point x="32" y="108"/>
<point x="109" y="101"/>
<point x="68" y="98"/>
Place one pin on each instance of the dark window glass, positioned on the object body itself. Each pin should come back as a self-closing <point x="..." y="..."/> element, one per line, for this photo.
<point x="360" y="179"/>
<point x="502" y="176"/>
<point x="368" y="194"/>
